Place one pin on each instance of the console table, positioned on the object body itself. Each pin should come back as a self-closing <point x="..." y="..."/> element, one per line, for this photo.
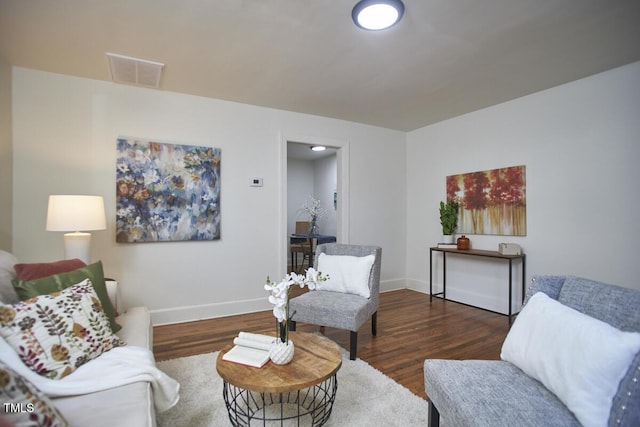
<point x="477" y="253"/>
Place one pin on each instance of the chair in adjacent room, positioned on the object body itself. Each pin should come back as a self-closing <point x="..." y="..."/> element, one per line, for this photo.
<point x="351" y="295"/>
<point x="300" y="246"/>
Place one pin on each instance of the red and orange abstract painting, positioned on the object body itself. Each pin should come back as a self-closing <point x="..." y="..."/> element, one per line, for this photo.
<point x="491" y="202"/>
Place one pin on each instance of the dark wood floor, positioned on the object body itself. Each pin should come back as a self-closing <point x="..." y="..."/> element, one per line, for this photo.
<point x="410" y="329"/>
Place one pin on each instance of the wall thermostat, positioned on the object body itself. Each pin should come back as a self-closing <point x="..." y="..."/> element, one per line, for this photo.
<point x="256" y="182"/>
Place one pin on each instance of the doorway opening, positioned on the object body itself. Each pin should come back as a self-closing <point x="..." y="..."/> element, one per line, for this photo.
<point x="310" y="176"/>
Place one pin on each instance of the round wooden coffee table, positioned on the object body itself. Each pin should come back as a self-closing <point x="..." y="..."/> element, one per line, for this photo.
<point x="300" y="393"/>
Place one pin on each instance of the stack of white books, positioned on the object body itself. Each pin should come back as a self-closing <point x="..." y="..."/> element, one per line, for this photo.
<point x="448" y="245"/>
<point x="250" y="349"/>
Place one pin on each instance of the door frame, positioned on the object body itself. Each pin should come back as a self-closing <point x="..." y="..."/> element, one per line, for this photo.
<point x="342" y="166"/>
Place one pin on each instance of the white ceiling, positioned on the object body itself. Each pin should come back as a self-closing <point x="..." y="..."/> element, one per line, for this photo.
<point x="446" y="57"/>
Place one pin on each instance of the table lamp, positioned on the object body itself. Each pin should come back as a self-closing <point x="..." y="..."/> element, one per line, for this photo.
<point x="77" y="214"/>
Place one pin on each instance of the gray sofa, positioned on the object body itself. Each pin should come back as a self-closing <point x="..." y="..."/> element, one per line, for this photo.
<point x="498" y="393"/>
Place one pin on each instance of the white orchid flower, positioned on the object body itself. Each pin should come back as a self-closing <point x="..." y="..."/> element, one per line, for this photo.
<point x="312" y="274"/>
<point x="278" y="302"/>
<point x="279" y="292"/>
<point x="294" y="278"/>
<point x="312" y="278"/>
<point x="280" y="313"/>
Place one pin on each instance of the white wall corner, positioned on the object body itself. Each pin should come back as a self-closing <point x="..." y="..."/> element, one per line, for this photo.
<point x="392" y="285"/>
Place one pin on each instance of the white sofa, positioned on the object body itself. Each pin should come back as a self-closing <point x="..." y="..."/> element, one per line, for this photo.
<point x="130" y="405"/>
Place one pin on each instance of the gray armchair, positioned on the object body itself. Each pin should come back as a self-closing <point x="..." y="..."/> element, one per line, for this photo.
<point x="337" y="309"/>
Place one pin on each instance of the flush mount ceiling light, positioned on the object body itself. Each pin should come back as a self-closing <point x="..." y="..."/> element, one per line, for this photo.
<point x="377" y="14"/>
<point x="318" y="147"/>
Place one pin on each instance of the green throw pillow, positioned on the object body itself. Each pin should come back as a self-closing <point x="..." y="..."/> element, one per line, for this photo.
<point x="32" y="288"/>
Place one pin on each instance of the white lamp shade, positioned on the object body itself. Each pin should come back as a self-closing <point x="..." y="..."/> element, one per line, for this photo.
<point x="76" y="213"/>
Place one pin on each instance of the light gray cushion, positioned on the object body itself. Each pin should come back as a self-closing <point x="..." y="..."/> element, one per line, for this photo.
<point x="332" y="309"/>
<point x="550" y="285"/>
<point x="613" y="304"/>
<point x="491" y="393"/>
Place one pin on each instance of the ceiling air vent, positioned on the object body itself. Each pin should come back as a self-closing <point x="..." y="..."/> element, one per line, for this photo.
<point x="125" y="69"/>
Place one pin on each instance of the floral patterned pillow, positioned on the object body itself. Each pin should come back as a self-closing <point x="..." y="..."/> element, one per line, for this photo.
<point x="57" y="333"/>
<point x="24" y="404"/>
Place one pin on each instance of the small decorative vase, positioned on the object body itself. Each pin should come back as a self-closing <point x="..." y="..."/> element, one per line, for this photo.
<point x="281" y="353"/>
<point x="464" y="243"/>
<point x="447" y="238"/>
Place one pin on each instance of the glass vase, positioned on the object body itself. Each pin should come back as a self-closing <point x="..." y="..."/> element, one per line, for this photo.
<point x="313" y="227"/>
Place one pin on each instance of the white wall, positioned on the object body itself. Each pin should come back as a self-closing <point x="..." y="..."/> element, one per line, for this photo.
<point x="65" y="131"/>
<point x="300" y="179"/>
<point x="324" y="184"/>
<point x="307" y="178"/>
<point x="580" y="143"/>
<point x="6" y="169"/>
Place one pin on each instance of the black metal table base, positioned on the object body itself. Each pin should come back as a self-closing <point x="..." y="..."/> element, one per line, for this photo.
<point x="477" y="253"/>
<point x="307" y="407"/>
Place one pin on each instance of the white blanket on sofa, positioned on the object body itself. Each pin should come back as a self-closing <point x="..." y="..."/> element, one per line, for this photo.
<point x="117" y="367"/>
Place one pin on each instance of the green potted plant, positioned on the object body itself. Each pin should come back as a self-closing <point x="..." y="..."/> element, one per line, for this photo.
<point x="449" y="219"/>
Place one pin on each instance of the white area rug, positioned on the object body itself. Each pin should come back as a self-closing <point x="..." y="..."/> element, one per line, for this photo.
<point x="365" y="396"/>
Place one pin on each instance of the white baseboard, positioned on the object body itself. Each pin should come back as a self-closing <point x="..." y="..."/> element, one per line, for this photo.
<point x="208" y="311"/>
<point x="417" y="285"/>
<point x="392" y="285"/>
<point x="464" y="296"/>
<point x="477" y="300"/>
<point x="211" y="311"/>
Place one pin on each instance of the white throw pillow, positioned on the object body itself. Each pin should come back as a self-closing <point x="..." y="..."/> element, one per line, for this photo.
<point x="57" y="333"/>
<point x="347" y="274"/>
<point x="579" y="358"/>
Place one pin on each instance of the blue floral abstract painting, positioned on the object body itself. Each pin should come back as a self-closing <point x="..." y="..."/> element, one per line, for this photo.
<point x="166" y="192"/>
